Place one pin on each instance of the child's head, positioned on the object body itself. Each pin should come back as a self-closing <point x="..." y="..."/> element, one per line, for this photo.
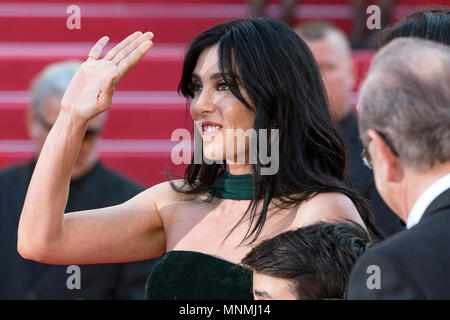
<point x="313" y="262"/>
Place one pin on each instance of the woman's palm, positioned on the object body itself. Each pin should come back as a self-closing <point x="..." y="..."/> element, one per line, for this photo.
<point x="92" y="87"/>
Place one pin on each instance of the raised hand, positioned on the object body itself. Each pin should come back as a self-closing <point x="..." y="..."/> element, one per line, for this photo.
<point x="92" y="87"/>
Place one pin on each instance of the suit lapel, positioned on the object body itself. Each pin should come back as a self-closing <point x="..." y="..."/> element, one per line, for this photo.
<point x="440" y="203"/>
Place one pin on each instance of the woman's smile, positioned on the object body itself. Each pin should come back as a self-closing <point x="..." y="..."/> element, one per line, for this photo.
<point x="209" y="127"/>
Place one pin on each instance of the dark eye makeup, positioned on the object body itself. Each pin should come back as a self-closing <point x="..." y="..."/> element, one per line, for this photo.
<point x="195" y="86"/>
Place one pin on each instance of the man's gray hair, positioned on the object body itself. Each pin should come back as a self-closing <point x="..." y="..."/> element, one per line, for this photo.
<point x="406" y="98"/>
<point x="54" y="79"/>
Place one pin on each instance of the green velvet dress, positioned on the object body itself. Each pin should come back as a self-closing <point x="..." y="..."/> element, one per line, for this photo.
<point x="192" y="275"/>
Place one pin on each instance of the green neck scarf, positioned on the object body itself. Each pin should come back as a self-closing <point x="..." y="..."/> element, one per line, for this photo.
<point x="235" y="187"/>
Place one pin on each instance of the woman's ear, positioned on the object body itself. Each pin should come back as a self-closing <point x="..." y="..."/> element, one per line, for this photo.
<point x="384" y="159"/>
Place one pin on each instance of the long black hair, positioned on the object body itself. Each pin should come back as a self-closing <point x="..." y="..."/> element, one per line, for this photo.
<point x="280" y="76"/>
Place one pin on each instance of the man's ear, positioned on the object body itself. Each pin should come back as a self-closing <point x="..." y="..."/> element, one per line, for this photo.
<point x="383" y="158"/>
<point x="31" y="123"/>
<point x="353" y="74"/>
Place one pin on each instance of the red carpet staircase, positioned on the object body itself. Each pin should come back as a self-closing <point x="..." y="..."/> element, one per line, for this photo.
<point x="146" y="108"/>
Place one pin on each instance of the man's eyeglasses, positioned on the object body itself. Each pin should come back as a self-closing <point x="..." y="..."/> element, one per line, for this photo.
<point x="365" y="155"/>
<point x="90" y="133"/>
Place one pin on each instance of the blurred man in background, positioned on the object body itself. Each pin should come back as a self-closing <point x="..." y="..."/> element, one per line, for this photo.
<point x="332" y="52"/>
<point x="361" y="35"/>
<point x="92" y="186"/>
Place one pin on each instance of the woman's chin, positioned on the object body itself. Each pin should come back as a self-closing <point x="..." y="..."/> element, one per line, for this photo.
<point x="212" y="158"/>
<point x="218" y="154"/>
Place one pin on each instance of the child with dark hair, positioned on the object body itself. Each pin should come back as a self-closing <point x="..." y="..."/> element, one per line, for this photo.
<point x="309" y="263"/>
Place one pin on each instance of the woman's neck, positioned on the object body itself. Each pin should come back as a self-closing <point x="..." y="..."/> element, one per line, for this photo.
<point x="236" y="169"/>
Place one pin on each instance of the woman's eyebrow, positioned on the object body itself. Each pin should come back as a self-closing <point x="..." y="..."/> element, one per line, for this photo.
<point x="214" y="76"/>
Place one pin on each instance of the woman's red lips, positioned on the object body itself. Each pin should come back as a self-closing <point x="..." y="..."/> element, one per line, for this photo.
<point x="210" y="123"/>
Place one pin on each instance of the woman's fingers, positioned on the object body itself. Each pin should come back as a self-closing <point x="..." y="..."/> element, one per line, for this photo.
<point x="120" y="51"/>
<point x="114" y="51"/>
<point x="131" y="59"/>
<point x="131" y="47"/>
<point x="96" y="50"/>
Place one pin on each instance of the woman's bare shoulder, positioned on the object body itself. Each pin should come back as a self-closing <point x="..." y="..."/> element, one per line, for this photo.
<point x="329" y="206"/>
<point x="165" y="193"/>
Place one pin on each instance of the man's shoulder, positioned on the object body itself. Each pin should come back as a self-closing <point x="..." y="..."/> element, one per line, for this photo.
<point x="383" y="272"/>
<point x="11" y="173"/>
<point x="432" y="231"/>
<point x="412" y="263"/>
<point x="117" y="180"/>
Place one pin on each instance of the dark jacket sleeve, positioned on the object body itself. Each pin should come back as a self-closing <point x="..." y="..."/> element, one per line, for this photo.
<point x="377" y="276"/>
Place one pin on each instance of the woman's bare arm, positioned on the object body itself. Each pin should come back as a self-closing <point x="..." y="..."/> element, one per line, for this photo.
<point x="130" y="231"/>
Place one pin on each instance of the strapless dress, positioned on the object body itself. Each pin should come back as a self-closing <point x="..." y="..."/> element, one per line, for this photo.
<point x="191" y="275"/>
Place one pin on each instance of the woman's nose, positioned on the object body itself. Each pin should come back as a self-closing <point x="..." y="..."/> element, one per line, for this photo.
<point x="202" y="104"/>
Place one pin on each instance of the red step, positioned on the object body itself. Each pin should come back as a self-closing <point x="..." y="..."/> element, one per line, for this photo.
<point x="171" y="23"/>
<point x="124" y="122"/>
<point x="53" y="29"/>
<point x="159" y="70"/>
<point x="134" y="115"/>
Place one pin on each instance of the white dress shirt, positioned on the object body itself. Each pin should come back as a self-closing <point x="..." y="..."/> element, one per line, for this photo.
<point x="425" y="199"/>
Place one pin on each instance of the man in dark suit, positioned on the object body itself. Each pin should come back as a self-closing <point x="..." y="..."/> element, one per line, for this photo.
<point x="404" y="124"/>
<point x="92" y="186"/>
<point x="331" y="49"/>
